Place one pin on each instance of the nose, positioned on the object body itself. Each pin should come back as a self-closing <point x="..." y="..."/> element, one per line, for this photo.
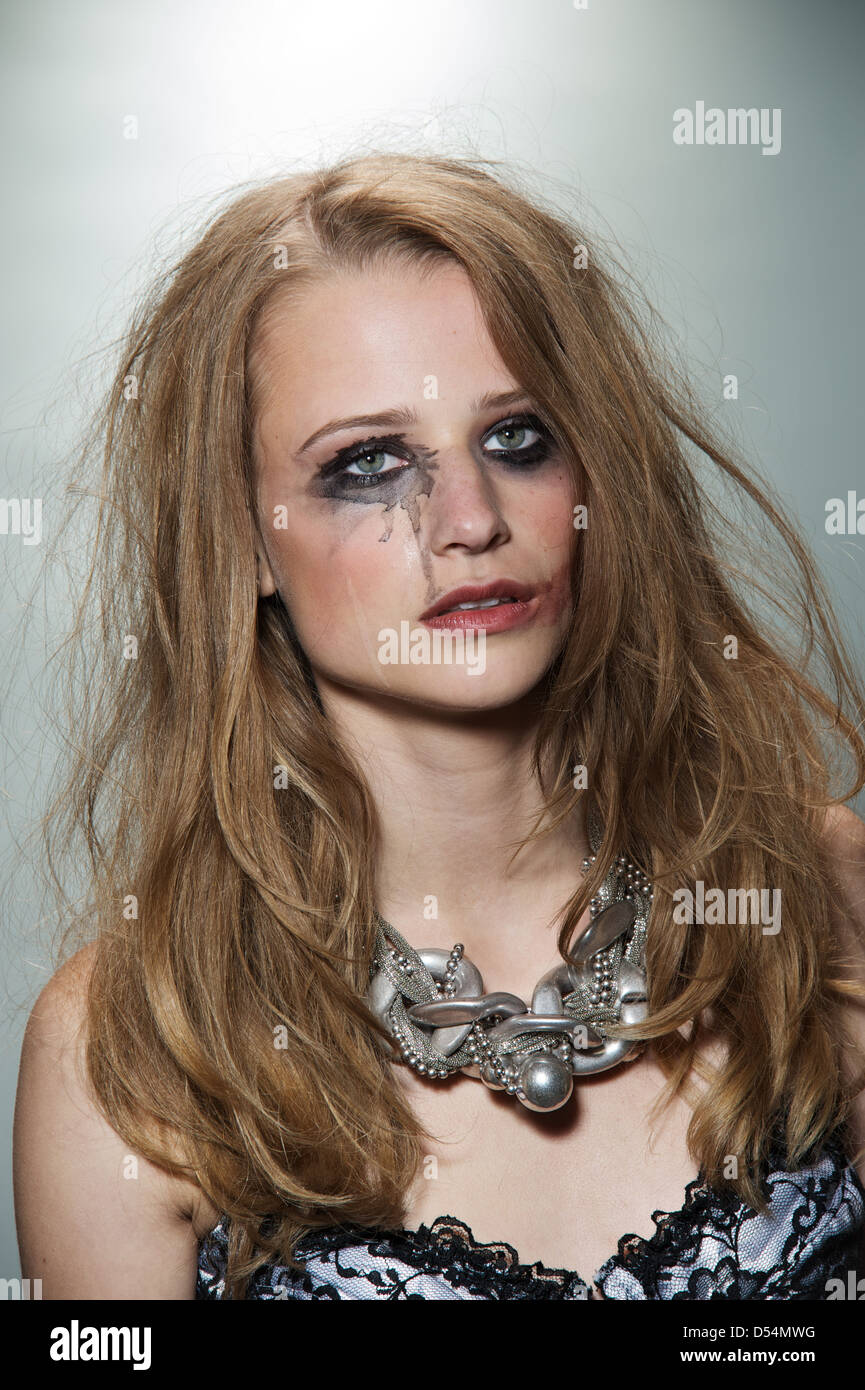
<point x="463" y="508"/>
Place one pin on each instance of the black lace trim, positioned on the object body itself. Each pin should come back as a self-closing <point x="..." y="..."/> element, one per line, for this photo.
<point x="448" y="1247"/>
<point x="674" y="1230"/>
<point x="663" y="1264"/>
<point x="668" y="1257"/>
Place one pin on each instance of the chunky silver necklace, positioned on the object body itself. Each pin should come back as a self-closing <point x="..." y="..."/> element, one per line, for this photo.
<point x="433" y="1004"/>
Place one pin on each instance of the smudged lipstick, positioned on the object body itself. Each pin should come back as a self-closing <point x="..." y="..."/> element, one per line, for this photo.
<point x="497" y="606"/>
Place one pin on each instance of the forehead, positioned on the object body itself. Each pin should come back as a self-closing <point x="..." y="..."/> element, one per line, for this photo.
<point x="364" y="340"/>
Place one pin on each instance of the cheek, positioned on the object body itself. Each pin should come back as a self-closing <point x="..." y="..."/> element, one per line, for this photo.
<point x="327" y="573"/>
<point x="557" y="601"/>
<point x="549" y="529"/>
<point x="549" y="509"/>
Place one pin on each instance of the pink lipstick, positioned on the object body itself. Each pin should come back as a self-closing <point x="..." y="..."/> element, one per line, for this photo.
<point x="497" y="607"/>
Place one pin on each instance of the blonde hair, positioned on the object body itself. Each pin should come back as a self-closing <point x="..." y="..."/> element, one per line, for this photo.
<point x="255" y="904"/>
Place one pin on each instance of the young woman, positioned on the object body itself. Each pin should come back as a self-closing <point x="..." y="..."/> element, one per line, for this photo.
<point x="475" y="912"/>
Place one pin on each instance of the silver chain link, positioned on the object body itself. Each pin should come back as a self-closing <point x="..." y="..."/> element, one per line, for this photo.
<point x="440" y="1020"/>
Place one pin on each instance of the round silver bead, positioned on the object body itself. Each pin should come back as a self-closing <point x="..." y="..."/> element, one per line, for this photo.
<point x="545" y="1082"/>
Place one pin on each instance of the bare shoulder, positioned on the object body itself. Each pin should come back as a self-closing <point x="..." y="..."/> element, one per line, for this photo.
<point x="94" y="1219"/>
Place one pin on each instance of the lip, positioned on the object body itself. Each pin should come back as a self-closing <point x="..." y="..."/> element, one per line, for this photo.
<point x="498" y="619"/>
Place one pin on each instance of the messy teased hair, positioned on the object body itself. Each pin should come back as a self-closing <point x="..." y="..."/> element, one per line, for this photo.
<point x="225" y="907"/>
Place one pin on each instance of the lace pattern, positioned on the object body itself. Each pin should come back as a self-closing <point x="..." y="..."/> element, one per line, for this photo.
<point x="713" y="1247"/>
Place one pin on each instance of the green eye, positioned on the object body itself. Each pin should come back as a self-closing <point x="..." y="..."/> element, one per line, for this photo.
<point x="369" y="462"/>
<point x="522" y="440"/>
<point x="517" y="434"/>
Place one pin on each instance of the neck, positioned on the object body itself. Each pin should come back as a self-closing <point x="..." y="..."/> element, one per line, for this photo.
<point x="455" y="793"/>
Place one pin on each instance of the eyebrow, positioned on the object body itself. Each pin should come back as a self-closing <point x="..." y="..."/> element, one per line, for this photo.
<point x="404" y="416"/>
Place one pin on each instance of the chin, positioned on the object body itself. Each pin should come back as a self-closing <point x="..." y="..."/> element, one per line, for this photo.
<point x="459" y="691"/>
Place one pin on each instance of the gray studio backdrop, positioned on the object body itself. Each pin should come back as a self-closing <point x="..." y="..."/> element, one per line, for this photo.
<point x="124" y="121"/>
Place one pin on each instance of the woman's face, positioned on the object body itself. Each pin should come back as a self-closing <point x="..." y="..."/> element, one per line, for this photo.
<point x="370" y="523"/>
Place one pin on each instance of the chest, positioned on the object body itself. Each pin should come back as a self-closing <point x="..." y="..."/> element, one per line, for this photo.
<point x="560" y="1187"/>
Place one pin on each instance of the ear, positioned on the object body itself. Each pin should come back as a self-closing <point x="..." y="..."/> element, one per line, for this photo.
<point x="266" y="581"/>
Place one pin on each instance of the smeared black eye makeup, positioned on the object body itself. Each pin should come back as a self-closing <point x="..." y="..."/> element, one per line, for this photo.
<point x="371" y="471"/>
<point x="368" y="459"/>
<point x="521" y="453"/>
